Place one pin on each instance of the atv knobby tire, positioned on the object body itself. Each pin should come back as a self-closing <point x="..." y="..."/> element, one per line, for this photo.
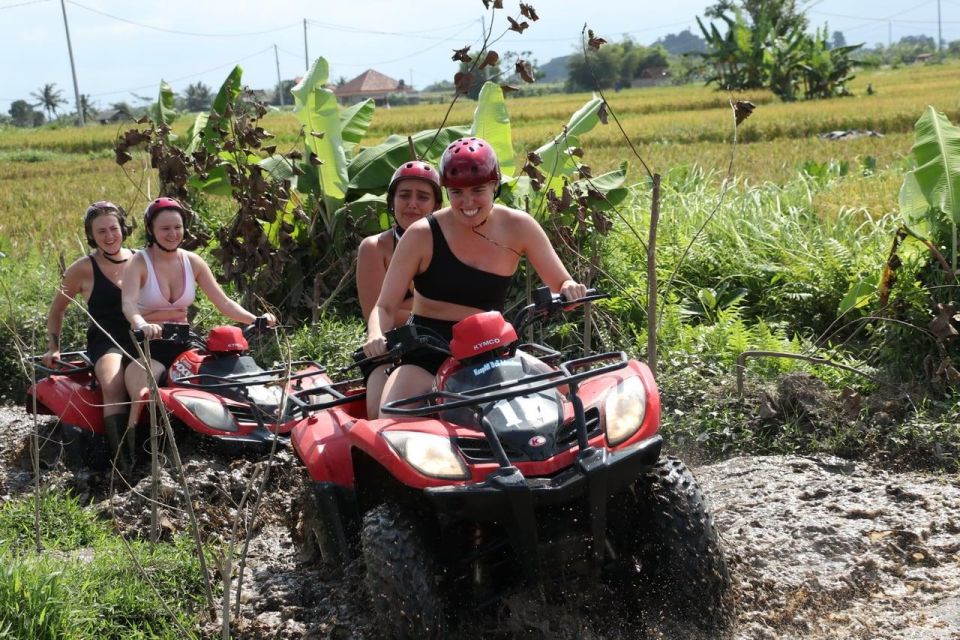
<point x="670" y="553"/>
<point x="401" y="574"/>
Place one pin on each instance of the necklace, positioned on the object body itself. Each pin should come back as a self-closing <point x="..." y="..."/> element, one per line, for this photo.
<point x="112" y="260"/>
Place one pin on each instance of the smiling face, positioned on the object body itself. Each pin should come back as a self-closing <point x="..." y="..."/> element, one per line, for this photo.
<point x="412" y="200"/>
<point x="167" y="228"/>
<point x="107" y="234"/>
<point x="472" y="204"/>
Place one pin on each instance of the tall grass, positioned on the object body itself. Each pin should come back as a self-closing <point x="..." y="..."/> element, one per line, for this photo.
<point x="86" y="584"/>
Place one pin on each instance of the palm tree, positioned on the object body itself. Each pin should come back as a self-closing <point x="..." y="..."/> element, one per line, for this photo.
<point x="86" y="106"/>
<point x="198" y="97"/>
<point x="49" y="98"/>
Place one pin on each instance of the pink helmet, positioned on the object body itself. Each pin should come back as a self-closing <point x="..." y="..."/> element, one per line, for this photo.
<point x="469" y="162"/>
<point x="103" y="207"/>
<point x="415" y="170"/>
<point x="480" y="333"/>
<point x="155" y="207"/>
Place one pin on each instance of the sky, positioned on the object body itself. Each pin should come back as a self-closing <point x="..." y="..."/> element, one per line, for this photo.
<point x="122" y="49"/>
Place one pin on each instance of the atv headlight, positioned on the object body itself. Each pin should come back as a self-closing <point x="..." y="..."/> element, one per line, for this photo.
<point x="430" y="454"/>
<point x="213" y="414"/>
<point x="624" y="409"/>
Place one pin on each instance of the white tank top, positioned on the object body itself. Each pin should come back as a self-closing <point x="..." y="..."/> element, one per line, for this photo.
<point x="151" y="299"/>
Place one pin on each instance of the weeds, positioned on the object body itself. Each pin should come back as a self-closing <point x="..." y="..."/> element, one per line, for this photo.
<point x="85" y="585"/>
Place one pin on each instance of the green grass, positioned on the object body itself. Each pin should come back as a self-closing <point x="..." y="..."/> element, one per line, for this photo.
<point x="85" y="582"/>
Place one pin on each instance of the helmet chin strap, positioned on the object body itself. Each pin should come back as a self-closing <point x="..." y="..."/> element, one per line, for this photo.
<point x="110" y="259"/>
<point x="163" y="248"/>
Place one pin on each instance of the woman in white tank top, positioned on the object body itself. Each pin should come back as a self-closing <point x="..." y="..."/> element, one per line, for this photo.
<point x="159" y="286"/>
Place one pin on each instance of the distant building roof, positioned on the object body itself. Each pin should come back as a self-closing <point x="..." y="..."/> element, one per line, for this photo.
<point x="371" y="82"/>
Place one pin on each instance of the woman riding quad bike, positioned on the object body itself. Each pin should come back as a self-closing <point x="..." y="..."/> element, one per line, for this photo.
<point x="517" y="469"/>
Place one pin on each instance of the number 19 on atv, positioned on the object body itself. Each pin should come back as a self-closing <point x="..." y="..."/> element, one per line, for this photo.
<point x="520" y="468"/>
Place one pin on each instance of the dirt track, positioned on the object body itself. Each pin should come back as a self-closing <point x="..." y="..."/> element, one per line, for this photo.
<point x="819" y="548"/>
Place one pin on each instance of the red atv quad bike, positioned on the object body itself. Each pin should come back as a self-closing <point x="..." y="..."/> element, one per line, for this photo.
<point x="214" y="389"/>
<point x="518" y="468"/>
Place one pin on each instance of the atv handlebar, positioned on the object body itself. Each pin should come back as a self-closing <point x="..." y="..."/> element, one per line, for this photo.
<point x="400" y="340"/>
<point x="546" y="304"/>
<point x="178" y="332"/>
<point x="64" y="367"/>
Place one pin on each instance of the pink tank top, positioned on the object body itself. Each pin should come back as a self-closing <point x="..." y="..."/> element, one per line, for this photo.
<point x="151" y="299"/>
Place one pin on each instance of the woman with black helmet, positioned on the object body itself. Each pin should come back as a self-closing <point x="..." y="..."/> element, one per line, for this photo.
<point x="98" y="277"/>
<point x="160" y="285"/>
<point x="414" y="192"/>
<point x="461" y="261"/>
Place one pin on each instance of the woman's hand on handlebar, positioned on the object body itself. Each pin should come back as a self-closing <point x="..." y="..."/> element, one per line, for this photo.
<point x="269" y="318"/>
<point x="375" y="346"/>
<point x="573" y="290"/>
<point x="50" y="358"/>
<point x="150" y="330"/>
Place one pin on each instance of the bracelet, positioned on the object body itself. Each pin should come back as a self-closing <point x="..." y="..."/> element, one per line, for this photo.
<point x="141" y="325"/>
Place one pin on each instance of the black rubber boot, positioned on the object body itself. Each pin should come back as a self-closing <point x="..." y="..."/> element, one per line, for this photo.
<point x="121" y="447"/>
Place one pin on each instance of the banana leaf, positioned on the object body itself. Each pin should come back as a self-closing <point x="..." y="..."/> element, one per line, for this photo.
<point x="371" y="169"/>
<point x="553" y="153"/>
<point x="936" y="180"/>
<point x="492" y="123"/>
<point x="316" y="107"/>
<point x="163" y="112"/>
<point x="354" y="122"/>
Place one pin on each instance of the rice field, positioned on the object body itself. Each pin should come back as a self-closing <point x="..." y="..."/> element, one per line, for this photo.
<point x="48" y="175"/>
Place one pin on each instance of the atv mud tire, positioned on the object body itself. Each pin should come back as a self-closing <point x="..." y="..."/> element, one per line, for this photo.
<point x="401" y="574"/>
<point x="670" y="553"/>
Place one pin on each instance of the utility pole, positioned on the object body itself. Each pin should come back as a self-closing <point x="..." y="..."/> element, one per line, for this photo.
<point x="939" y="34"/>
<point x="276" y="59"/>
<point x="306" y="56"/>
<point x="73" y="67"/>
<point x="889" y="35"/>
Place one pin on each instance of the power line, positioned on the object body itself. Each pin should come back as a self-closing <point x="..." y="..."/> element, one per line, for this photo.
<point x="351" y="29"/>
<point x="21" y="4"/>
<point x="187" y="77"/>
<point x="183" y="33"/>
<point x="404" y="57"/>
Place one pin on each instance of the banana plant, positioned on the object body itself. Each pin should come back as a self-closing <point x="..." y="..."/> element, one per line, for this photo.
<point x="929" y="203"/>
<point x="930" y="194"/>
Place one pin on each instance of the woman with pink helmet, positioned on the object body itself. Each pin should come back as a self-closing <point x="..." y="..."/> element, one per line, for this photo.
<point x="461" y="261"/>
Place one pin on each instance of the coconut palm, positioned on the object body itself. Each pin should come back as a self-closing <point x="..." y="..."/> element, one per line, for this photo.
<point x="49" y="98"/>
<point x="86" y="106"/>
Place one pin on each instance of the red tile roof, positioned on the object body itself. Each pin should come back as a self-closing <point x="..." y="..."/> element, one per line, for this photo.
<point x="369" y="81"/>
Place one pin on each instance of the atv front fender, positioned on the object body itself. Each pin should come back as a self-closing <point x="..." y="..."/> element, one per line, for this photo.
<point x="322" y="445"/>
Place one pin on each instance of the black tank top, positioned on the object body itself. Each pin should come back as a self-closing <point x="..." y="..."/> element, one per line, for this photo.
<point x="447" y="279"/>
<point x="106" y="305"/>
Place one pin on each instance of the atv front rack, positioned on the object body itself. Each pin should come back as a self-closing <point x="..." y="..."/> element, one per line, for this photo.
<point x="568" y="374"/>
<point x="251" y="378"/>
<point x="334" y="395"/>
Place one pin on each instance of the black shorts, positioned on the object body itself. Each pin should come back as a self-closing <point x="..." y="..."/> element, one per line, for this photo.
<point x="427" y="358"/>
<point x="166" y="351"/>
<point x="99" y="346"/>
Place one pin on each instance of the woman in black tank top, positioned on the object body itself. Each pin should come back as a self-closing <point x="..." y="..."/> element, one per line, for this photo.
<point x="461" y="260"/>
<point x="97" y="279"/>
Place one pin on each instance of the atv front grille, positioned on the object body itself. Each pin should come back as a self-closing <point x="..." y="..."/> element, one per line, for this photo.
<point x="478" y="449"/>
<point x="248" y="413"/>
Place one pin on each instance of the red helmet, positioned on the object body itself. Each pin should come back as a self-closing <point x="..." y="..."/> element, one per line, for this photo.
<point x="226" y="339"/>
<point x="155" y="207"/>
<point x="469" y="162"/>
<point x="480" y="333"/>
<point x="103" y="207"/>
<point x="415" y="170"/>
